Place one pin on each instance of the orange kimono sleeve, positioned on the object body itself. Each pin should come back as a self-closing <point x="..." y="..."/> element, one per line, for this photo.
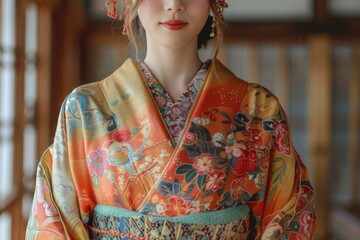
<point x="55" y="211"/>
<point x="289" y="211"/>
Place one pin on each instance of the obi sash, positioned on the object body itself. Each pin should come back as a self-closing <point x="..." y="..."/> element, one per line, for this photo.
<point x="118" y="223"/>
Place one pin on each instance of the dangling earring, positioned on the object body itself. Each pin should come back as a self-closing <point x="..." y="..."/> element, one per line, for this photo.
<point x="213" y="28"/>
<point x="124" y="30"/>
<point x="112" y="11"/>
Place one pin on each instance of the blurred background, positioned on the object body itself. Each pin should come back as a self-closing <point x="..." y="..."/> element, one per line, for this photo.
<point x="306" y="51"/>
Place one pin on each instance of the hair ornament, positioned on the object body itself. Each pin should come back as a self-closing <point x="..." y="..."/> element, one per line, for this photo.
<point x="112" y="11"/>
<point x="220" y="6"/>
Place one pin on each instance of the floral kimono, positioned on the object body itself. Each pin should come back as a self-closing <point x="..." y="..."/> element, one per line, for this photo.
<point x="115" y="171"/>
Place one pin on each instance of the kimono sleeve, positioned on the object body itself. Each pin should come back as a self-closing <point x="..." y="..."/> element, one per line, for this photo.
<point x="55" y="212"/>
<point x="289" y="211"/>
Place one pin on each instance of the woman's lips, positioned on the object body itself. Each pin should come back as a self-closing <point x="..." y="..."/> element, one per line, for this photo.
<point x="174" y="24"/>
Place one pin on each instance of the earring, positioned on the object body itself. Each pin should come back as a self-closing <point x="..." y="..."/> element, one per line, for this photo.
<point x="124" y="30"/>
<point x="213" y="27"/>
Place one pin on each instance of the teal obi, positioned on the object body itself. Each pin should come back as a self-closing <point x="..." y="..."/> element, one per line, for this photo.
<point x="109" y="222"/>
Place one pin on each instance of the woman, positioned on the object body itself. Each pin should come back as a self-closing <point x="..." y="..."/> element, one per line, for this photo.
<point x="170" y="147"/>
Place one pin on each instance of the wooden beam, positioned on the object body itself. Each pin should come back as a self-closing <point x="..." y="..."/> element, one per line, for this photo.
<point x="282" y="83"/>
<point x="321" y="11"/>
<point x="319" y="125"/>
<point x="289" y="31"/>
<point x="44" y="67"/>
<point x="354" y="100"/>
<point x="17" y="229"/>
<point x="68" y="25"/>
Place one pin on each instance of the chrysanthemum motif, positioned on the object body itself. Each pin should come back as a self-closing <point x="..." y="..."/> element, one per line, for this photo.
<point x="203" y="164"/>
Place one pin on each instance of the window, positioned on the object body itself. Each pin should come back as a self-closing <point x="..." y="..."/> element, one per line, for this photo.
<point x="18" y="74"/>
<point x="259" y="10"/>
<point x="7" y="76"/>
<point x="345" y="8"/>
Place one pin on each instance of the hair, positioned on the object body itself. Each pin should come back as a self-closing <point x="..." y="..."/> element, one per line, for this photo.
<point x="134" y="29"/>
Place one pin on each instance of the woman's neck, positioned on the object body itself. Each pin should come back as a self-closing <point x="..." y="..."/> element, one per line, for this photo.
<point x="173" y="68"/>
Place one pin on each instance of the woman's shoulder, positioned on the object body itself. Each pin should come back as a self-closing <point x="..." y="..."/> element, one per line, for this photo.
<point x="260" y="101"/>
<point x="87" y="97"/>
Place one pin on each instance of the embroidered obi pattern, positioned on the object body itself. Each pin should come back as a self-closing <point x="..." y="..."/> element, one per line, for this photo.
<point x="229" y="224"/>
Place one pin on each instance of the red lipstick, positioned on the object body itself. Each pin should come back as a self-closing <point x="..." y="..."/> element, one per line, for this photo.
<point x="174" y="24"/>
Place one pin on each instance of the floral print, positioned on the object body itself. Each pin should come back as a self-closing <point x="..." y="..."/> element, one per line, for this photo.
<point x="215" y="180"/>
<point x="307" y="223"/>
<point x="282" y="142"/>
<point x="189" y="138"/>
<point x="98" y="162"/>
<point x="122" y="135"/>
<point x="175" y="112"/>
<point x="237" y="188"/>
<point x="111" y="149"/>
<point x="203" y="164"/>
<point x="42" y="197"/>
<point x="176" y="206"/>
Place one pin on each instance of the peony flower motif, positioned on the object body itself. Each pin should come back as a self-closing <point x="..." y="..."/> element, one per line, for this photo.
<point x="176" y="206"/>
<point x="237" y="188"/>
<point x="282" y="141"/>
<point x="236" y="150"/>
<point x="305" y="191"/>
<point x="246" y="162"/>
<point x="215" y="180"/>
<point x="307" y="223"/>
<point x="122" y="135"/>
<point x="189" y="138"/>
<point x="255" y="139"/>
<point x="203" y="164"/>
<point x="98" y="162"/>
<point x="252" y="155"/>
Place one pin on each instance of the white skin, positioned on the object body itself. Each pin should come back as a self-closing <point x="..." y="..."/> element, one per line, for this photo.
<point x="172" y="55"/>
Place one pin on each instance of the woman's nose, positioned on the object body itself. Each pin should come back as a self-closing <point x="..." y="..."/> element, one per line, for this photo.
<point x="175" y="5"/>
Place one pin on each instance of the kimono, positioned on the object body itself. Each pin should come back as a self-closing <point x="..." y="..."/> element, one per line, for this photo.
<point x="115" y="172"/>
